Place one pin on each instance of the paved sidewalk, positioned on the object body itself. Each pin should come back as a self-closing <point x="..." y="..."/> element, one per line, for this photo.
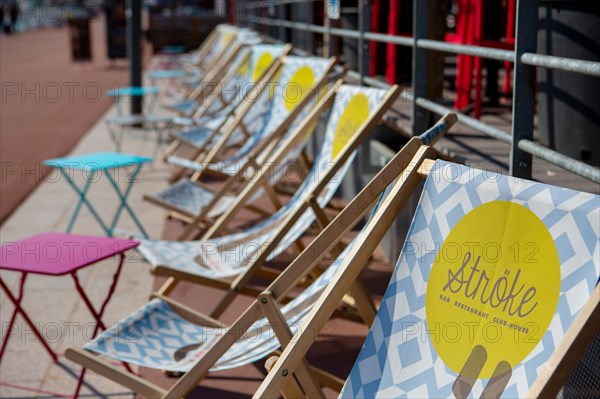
<point x="53" y="302"/>
<point x="47" y="103"/>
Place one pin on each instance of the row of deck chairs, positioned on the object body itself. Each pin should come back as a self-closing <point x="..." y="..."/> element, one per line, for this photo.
<point x="495" y="293"/>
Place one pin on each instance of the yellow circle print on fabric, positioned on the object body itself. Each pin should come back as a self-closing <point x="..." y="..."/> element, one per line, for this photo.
<point x="262" y="64"/>
<point x="227" y="37"/>
<point x="298" y="87"/>
<point x="355" y="114"/>
<point x="272" y="86"/>
<point x="493" y="289"/>
<point x="244" y="68"/>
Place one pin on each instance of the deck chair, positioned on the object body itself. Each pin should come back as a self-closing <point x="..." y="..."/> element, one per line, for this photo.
<point x="207" y="56"/>
<point x="193" y="67"/>
<point x="354" y="112"/>
<point x="160" y="123"/>
<point x="232" y="60"/>
<point x="220" y="102"/>
<point x="187" y="197"/>
<point x="195" y="56"/>
<point x="152" y="336"/>
<point x="506" y="312"/>
<point x="231" y="57"/>
<point x="148" y="120"/>
<point x="249" y="117"/>
<point x="188" y="69"/>
<point x="225" y="96"/>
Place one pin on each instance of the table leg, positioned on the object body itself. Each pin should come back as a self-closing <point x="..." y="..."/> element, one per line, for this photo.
<point x="84" y="201"/>
<point x="18" y="309"/>
<point x="123" y="201"/>
<point x="116" y="134"/>
<point x="98" y="314"/>
<point x="151" y="104"/>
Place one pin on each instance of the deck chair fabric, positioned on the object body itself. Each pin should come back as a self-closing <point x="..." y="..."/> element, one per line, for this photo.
<point x="197" y="63"/>
<point x="200" y="62"/>
<point x="215" y="261"/>
<point x="227" y="35"/>
<point x="232" y="57"/>
<point x="157" y="336"/>
<point x="237" y="66"/>
<point x="266" y="114"/>
<point x="246" y="71"/>
<point x="432" y="336"/>
<point x="187" y="197"/>
<point x="558" y="243"/>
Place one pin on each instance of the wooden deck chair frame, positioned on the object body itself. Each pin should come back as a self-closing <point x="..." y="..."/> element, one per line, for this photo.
<point x="399" y="168"/>
<point x="202" y="220"/>
<point x="281" y="368"/>
<point x="204" y="47"/>
<point x="208" y="95"/>
<point x="211" y="98"/>
<point x="266" y="146"/>
<point x="203" y="50"/>
<point x="220" y="146"/>
<point x="200" y="54"/>
<point x="241" y="283"/>
<point x="280" y="379"/>
<point x="212" y="75"/>
<point x="229" y="125"/>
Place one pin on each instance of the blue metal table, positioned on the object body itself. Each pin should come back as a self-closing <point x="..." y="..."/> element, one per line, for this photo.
<point x="116" y="125"/>
<point x="96" y="163"/>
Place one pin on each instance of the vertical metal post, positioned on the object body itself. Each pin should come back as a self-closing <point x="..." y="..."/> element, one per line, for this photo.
<point x="420" y="117"/>
<point x="364" y="25"/>
<point x="134" y="51"/>
<point x="524" y="85"/>
<point x="281" y="15"/>
<point x="326" y="36"/>
<point x="310" y="36"/>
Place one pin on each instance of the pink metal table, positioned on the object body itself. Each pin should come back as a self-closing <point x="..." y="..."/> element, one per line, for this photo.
<point x="58" y="254"/>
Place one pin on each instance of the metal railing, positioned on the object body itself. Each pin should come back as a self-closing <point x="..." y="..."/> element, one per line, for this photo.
<point x="524" y="58"/>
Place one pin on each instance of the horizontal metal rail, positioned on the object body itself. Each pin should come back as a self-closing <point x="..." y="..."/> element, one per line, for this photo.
<point x="270" y="3"/>
<point x="477" y="51"/>
<point x="570" y="164"/>
<point x="565" y="64"/>
<point x="287" y="24"/>
<point x="572" y="65"/>
<point x="466" y="120"/>
<point x="383" y="38"/>
<point x="567" y="163"/>
<point x="540" y="60"/>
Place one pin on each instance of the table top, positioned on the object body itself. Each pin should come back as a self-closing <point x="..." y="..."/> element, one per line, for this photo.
<point x="173" y="49"/>
<point x="59" y="253"/>
<point x="97" y="161"/>
<point x="132" y="91"/>
<point x="166" y="74"/>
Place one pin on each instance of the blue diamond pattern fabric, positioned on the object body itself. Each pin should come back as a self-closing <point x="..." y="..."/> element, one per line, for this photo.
<point x="401" y="341"/>
<point x="233" y="93"/>
<point x="229" y="255"/>
<point x="191" y="198"/>
<point x="226" y="44"/>
<point x="156" y="336"/>
<point x="198" y="136"/>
